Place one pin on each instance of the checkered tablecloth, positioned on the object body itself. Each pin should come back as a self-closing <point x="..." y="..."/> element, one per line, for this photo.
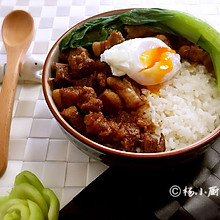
<point x="36" y="141"/>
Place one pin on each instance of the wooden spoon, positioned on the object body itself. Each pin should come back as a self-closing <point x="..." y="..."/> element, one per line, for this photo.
<point x="17" y="34"/>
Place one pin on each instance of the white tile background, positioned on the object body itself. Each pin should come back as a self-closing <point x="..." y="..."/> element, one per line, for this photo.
<point x="36" y="141"/>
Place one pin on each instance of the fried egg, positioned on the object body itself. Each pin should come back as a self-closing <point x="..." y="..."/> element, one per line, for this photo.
<point x="148" y="61"/>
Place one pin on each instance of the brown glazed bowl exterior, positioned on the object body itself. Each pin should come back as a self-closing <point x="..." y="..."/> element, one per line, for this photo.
<point x="113" y="157"/>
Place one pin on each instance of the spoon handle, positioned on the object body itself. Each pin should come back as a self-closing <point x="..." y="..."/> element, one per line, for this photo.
<point x="7" y="96"/>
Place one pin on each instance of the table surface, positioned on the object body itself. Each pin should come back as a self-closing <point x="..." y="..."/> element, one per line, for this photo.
<point x="36" y="142"/>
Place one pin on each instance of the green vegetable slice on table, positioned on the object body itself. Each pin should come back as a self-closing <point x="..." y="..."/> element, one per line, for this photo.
<point x="167" y="21"/>
<point x="29" y="200"/>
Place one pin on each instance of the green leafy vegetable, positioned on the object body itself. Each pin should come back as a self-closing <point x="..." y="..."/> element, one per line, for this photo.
<point x="167" y="21"/>
<point x="198" y="32"/>
<point x="98" y="29"/>
<point x="29" y="200"/>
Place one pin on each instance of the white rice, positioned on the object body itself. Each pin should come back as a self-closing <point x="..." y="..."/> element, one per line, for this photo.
<point x="187" y="107"/>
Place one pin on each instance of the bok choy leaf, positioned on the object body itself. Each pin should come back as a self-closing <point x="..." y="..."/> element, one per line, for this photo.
<point x="167" y="21"/>
<point x="98" y="29"/>
<point x="200" y="33"/>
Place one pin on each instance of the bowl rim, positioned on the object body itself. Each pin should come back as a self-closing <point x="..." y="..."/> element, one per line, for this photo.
<point x="204" y="141"/>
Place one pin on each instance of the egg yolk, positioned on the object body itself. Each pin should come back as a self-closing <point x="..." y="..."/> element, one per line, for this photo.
<point x="160" y="57"/>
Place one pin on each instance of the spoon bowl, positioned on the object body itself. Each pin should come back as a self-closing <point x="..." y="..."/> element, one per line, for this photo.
<point x="16" y="28"/>
<point x="17" y="34"/>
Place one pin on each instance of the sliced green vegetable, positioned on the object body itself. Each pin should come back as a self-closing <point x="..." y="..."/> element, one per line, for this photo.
<point x="35" y="211"/>
<point x="167" y="21"/>
<point x="52" y="203"/>
<point x="28" y="177"/>
<point x="29" y="200"/>
<point x="14" y="207"/>
<point x="12" y="216"/>
<point x="3" y="199"/>
<point x="27" y="191"/>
